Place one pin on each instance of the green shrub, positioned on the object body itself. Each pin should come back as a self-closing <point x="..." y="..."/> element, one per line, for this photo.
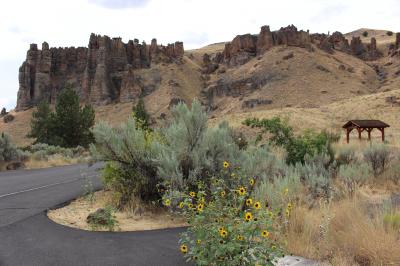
<point x="353" y="176"/>
<point x="389" y="33"/>
<point x="282" y="189"/>
<point x="346" y="155"/>
<point x="240" y="139"/>
<point x="102" y="218"/>
<point x="316" y="176"/>
<point x="42" y="151"/>
<point x="132" y="153"/>
<point x="378" y="156"/>
<point x="297" y="147"/>
<point x="228" y="226"/>
<point x="190" y="150"/>
<point x="393" y="172"/>
<point x="365" y="34"/>
<point x="8" y="151"/>
<point x="141" y="116"/>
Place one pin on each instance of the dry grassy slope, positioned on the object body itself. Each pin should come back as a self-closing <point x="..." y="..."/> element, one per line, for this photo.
<point x="332" y="116"/>
<point x="308" y="79"/>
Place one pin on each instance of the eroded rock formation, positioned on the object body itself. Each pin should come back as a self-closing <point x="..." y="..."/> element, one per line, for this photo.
<point x="244" y="47"/>
<point x="395" y="48"/>
<point x="101" y="73"/>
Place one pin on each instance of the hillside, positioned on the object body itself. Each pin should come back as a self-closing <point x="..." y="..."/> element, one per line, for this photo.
<point x="316" y="81"/>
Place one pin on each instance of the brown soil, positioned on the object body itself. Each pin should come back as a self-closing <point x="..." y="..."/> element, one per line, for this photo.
<point x="75" y="214"/>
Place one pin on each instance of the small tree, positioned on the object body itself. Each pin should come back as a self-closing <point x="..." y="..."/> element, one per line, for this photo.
<point x="72" y="123"/>
<point x="68" y="126"/>
<point x="365" y="33"/>
<point x="140" y="115"/>
<point x="41" y="124"/>
<point x="389" y="33"/>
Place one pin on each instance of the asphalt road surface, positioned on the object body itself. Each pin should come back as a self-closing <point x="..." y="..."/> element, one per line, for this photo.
<point x="28" y="237"/>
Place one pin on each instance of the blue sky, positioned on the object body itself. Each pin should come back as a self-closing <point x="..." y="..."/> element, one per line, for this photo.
<point x="195" y="22"/>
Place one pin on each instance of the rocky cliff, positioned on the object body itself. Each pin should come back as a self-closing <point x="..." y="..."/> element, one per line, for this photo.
<point x="101" y="73"/>
<point x="244" y="47"/>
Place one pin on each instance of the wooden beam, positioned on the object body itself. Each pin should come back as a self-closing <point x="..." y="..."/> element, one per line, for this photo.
<point x="359" y="132"/>
<point x="348" y="134"/>
<point x="369" y="133"/>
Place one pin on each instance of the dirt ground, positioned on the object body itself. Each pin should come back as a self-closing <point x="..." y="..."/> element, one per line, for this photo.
<point x="75" y="214"/>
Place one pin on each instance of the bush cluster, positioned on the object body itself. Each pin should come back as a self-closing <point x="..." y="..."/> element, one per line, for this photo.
<point x="42" y="151"/>
<point x="297" y="147"/>
<point x="8" y="151"/>
<point x="237" y="196"/>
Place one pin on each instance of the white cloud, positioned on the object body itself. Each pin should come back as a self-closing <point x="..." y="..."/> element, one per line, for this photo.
<point x="196" y="22"/>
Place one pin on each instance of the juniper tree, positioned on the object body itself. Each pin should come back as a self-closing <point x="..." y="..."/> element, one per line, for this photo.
<point x="72" y="123"/>
<point x="41" y="125"/>
<point x="68" y="126"/>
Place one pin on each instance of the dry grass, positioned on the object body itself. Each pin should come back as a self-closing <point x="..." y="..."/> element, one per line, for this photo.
<point x="75" y="214"/>
<point x="53" y="161"/>
<point x="349" y="232"/>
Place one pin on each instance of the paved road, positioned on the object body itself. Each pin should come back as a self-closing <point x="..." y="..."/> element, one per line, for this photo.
<point x="28" y="237"/>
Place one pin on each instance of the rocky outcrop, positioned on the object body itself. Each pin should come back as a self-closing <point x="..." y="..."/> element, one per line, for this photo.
<point x="244" y="47"/>
<point x="338" y="42"/>
<point x="101" y="73"/>
<point x="252" y="103"/>
<point x="395" y="48"/>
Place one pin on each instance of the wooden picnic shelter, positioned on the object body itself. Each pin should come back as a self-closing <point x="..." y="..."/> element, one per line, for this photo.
<point x="365" y="125"/>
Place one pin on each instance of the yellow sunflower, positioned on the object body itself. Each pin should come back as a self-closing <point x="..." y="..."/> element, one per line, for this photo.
<point x="198" y="241"/>
<point x="190" y="205"/>
<point x="248" y="216"/>
<point x="167" y="202"/>
<point x="226" y="164"/>
<point x="192" y="194"/>
<point x="286" y="191"/>
<point x="289" y="206"/>
<point x="287" y="212"/>
<point x="184" y="249"/>
<point x="249" y="202"/>
<point x="240" y="238"/>
<point x="223" y="233"/>
<point x="200" y="207"/>
<point x="257" y="205"/>
<point x="265" y="233"/>
<point x="221" y="229"/>
<point x="251" y="182"/>
<point x="181" y="205"/>
<point x="223" y="193"/>
<point x="242" y="191"/>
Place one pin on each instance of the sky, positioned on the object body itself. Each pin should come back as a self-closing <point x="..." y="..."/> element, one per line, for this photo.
<point x="197" y="23"/>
